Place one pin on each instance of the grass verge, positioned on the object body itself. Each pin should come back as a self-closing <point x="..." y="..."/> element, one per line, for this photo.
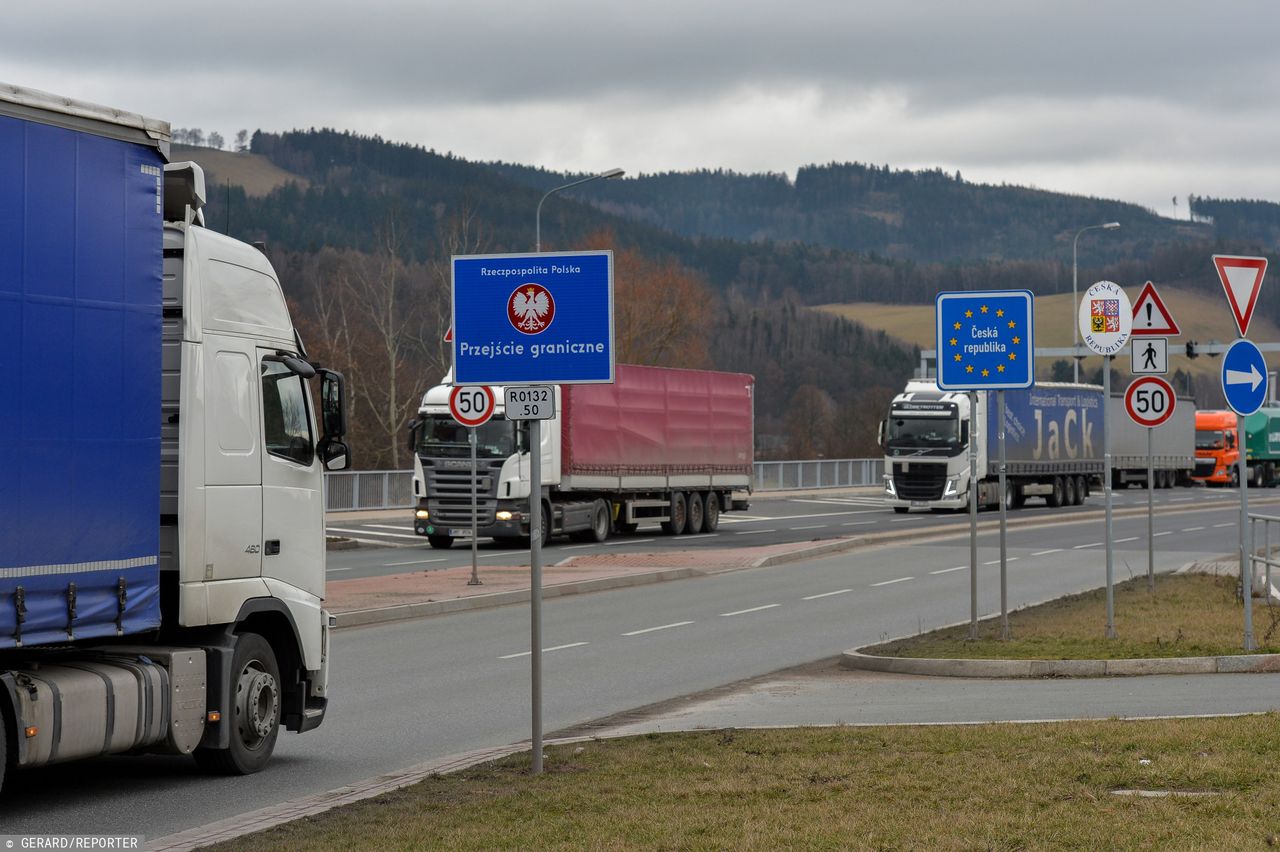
<point x="954" y="787"/>
<point x="1190" y="615"/>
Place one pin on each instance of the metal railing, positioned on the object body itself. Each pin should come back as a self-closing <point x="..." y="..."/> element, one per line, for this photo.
<point x="1262" y="556"/>
<point x="393" y="489"/>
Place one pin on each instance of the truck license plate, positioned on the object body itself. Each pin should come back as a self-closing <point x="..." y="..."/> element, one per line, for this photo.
<point x="919" y="504"/>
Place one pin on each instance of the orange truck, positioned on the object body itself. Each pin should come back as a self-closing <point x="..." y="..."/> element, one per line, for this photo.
<point x="1219" y="437"/>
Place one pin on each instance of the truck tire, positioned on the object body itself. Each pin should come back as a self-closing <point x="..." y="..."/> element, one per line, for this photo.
<point x="679" y="515"/>
<point x="255" y="710"/>
<point x="1082" y="490"/>
<point x="694" y="526"/>
<point x="440" y="542"/>
<point x="711" y="512"/>
<point x="1068" y="490"/>
<point x="901" y="510"/>
<point x="1235" y="476"/>
<point x="600" y="522"/>
<point x="1054" y="498"/>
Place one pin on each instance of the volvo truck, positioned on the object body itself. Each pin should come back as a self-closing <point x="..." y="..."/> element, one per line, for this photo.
<point x="162" y="543"/>
<point x="657" y="446"/>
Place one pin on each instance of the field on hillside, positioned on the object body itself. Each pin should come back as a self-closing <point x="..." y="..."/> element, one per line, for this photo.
<point x="1202" y="317"/>
<point x="256" y="174"/>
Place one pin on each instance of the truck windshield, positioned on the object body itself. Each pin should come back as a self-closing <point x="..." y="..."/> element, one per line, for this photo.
<point x="911" y="431"/>
<point x="443" y="437"/>
<point x="1209" y="440"/>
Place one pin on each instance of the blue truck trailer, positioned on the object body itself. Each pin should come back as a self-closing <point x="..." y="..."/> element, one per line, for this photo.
<point x="161" y="518"/>
<point x="1053" y="446"/>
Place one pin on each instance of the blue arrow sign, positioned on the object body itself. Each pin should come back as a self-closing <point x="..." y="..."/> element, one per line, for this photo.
<point x="985" y="340"/>
<point x="539" y="319"/>
<point x="1244" y="377"/>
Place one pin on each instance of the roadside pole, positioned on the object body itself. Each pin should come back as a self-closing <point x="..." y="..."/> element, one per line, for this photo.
<point x="1004" y="564"/>
<point x="1246" y="566"/>
<point x="1106" y="490"/>
<point x="475" y="574"/>
<point x="535" y="586"/>
<point x="1151" y="512"/>
<point x="973" y="514"/>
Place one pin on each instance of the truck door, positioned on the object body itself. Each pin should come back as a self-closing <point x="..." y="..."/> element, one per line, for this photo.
<point x="292" y="480"/>
<point x="233" y="469"/>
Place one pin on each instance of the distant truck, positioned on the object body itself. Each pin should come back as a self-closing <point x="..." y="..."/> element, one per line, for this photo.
<point x="162" y="511"/>
<point x="1218" y="451"/>
<point x="1053" y="446"/>
<point x="1173" y="445"/>
<point x="659" y="445"/>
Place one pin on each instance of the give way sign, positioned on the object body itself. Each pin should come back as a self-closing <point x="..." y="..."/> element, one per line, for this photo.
<point x="1242" y="280"/>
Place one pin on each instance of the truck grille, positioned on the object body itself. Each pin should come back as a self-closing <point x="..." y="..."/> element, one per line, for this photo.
<point x="1204" y="467"/>
<point x="915" y="481"/>
<point x="449" y="495"/>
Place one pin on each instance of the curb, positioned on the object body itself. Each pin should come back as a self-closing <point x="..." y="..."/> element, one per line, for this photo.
<point x="1235" y="664"/>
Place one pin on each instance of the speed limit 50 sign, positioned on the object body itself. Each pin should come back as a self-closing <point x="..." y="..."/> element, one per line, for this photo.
<point x="472" y="405"/>
<point x="1150" y="401"/>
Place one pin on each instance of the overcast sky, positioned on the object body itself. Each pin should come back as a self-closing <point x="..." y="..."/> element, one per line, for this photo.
<point x="1140" y="101"/>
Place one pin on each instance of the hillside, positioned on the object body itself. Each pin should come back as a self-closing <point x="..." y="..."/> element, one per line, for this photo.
<point x="253" y="173"/>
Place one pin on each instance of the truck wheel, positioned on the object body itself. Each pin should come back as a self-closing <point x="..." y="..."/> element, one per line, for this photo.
<point x="1054" y="498"/>
<point x="679" y="515"/>
<point x="1235" y="476"/>
<point x="695" y="514"/>
<point x="711" y="512"/>
<point x="546" y="524"/>
<point x="255" y="710"/>
<point x="901" y="510"/>
<point x="1082" y="490"/>
<point x="1068" y="491"/>
<point x="599" y="522"/>
<point x="440" y="542"/>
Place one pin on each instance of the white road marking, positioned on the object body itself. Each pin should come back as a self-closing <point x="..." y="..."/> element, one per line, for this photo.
<point x="1090" y="544"/>
<point x="753" y="532"/>
<point x="891" y="582"/>
<point x="949" y="570"/>
<point x="997" y="561"/>
<point x="628" y="541"/>
<point x="414" y="562"/>
<point x="1219" y="526"/>
<point x="826" y="594"/>
<point x="699" y="535"/>
<point x="368" y="532"/>
<point x="745" y="611"/>
<point x="336" y="570"/>
<point x="1157" y="535"/>
<point x="810" y="527"/>
<point x="390" y="527"/>
<point x="652" y="629"/>
<point x="1181" y="500"/>
<point x="856" y="523"/>
<point x="1197" y="529"/>
<point x="1123" y="540"/>
<point x="907" y="518"/>
<point x="1047" y="552"/>
<point x="544" y="650"/>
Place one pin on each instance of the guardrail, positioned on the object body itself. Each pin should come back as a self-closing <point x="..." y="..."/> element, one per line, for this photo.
<point x="393" y="489"/>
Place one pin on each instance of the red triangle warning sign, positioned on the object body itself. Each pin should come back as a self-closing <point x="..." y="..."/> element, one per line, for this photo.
<point x="448" y="335"/>
<point x="1242" y="280"/>
<point x="1150" y="316"/>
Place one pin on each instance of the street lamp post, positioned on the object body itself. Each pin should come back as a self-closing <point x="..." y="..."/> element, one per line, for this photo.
<point x="537" y="234"/>
<point x="1075" y="299"/>
<point x="535" y="524"/>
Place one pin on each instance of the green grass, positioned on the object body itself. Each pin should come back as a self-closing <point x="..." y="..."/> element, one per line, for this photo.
<point x="1190" y="615"/>
<point x="967" y="787"/>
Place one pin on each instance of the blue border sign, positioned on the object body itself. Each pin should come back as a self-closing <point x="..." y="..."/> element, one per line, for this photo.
<point x="985" y="340"/>
<point x="1244" y="377"/>
<point x="521" y="319"/>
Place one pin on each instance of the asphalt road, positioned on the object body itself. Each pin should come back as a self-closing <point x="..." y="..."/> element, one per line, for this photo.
<point x="388" y="545"/>
<point x="411" y="691"/>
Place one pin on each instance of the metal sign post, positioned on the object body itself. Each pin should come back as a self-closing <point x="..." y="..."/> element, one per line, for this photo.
<point x="1151" y="513"/>
<point x="987" y="343"/>
<point x="1244" y="384"/>
<point x="1150" y="402"/>
<point x="1105" y="320"/>
<point x="535" y="586"/>
<point x="475" y="574"/>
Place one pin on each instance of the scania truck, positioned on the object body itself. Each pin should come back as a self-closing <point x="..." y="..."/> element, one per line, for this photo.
<point x="162" y="543"/>
<point x="658" y="445"/>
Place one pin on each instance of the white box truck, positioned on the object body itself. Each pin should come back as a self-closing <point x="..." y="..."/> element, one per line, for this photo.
<point x="162" y="542"/>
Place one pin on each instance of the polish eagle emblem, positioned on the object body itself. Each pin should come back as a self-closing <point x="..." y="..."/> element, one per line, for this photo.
<point x="531" y="308"/>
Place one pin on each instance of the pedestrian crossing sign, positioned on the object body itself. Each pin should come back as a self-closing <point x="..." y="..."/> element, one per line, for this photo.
<point x="1149" y="356"/>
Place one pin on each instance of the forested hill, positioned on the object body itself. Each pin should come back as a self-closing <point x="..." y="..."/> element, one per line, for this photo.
<point x="912" y="215"/>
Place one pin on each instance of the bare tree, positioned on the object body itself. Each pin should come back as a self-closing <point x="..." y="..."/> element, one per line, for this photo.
<point x="216" y="140"/>
<point x="242" y="140"/>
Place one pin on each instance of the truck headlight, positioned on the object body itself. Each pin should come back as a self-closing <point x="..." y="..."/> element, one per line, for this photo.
<point x="889" y="490"/>
<point x="953" y="486"/>
<point x="503" y="515"/>
<point x="422" y="514"/>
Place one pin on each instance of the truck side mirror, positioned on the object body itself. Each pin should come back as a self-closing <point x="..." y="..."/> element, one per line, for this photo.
<point x="880" y="434"/>
<point x="415" y="426"/>
<point x="333" y="409"/>
<point x="964" y="433"/>
<point x="334" y="454"/>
